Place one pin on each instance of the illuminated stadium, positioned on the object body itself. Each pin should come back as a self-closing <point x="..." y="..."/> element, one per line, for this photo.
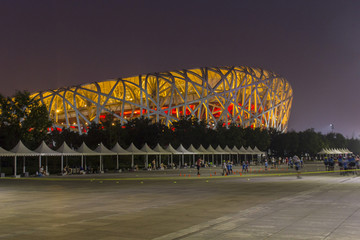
<point x="249" y="97"/>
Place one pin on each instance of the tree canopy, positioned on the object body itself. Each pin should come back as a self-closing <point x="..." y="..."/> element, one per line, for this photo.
<point x="25" y="119"/>
<point x="22" y="118"/>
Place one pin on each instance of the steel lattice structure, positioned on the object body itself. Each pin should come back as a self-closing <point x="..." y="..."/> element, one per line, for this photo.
<point x="242" y="95"/>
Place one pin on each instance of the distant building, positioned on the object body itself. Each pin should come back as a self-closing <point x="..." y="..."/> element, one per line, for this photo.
<point x="250" y="97"/>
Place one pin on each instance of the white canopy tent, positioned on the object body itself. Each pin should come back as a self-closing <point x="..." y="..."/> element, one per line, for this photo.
<point x="21" y="150"/>
<point x="65" y="150"/>
<point x="86" y="151"/>
<point x="323" y="152"/>
<point x="220" y="152"/>
<point x="134" y="151"/>
<point x="44" y="150"/>
<point x="203" y="150"/>
<point x="183" y="152"/>
<point x="242" y="150"/>
<point x="162" y="151"/>
<point x="257" y="151"/>
<point x="192" y="149"/>
<point x="230" y="151"/>
<point x="345" y="151"/>
<point x="173" y="151"/>
<point x="334" y="151"/>
<point x="237" y="151"/>
<point x="227" y="149"/>
<point x="5" y="153"/>
<point x="119" y="151"/>
<point x="211" y="151"/>
<point x="102" y="150"/>
<point x="251" y="152"/>
<point x="148" y="152"/>
<point x="83" y="150"/>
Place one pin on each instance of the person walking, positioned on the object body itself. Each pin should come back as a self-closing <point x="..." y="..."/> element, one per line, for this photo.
<point x="224" y="168"/>
<point x="228" y="167"/>
<point x="198" y="165"/>
<point x="266" y="165"/>
<point x="297" y="164"/>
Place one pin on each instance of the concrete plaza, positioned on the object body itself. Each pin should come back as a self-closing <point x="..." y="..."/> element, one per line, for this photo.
<point x="165" y="205"/>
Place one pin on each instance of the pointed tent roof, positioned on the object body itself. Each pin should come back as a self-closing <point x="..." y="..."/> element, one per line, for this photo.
<point x="203" y="150"/>
<point x="85" y="150"/>
<point x="211" y="150"/>
<point x="64" y="149"/>
<point x="193" y="149"/>
<point x="220" y="150"/>
<point x="172" y="149"/>
<point x="242" y="150"/>
<point x="256" y="150"/>
<point x="101" y="149"/>
<point x="347" y="151"/>
<point x="336" y="151"/>
<point x="250" y="151"/>
<point x="134" y="150"/>
<point x="182" y="150"/>
<point x="44" y="150"/>
<point x="227" y="149"/>
<point x="161" y="150"/>
<point x="328" y="150"/>
<point x="235" y="149"/>
<point x="119" y="150"/>
<point x="343" y="150"/>
<point x="21" y="150"/>
<point x="323" y="151"/>
<point x="4" y="153"/>
<point x="148" y="150"/>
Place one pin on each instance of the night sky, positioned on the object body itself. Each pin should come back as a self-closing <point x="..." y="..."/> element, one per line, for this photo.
<point x="315" y="45"/>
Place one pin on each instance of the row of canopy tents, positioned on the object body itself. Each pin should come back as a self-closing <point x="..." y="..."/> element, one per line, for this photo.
<point x="335" y="151"/>
<point x="64" y="150"/>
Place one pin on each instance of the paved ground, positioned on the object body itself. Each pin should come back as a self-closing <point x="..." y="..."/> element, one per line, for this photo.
<point x="165" y="205"/>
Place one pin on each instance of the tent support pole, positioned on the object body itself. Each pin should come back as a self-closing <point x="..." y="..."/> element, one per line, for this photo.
<point x="62" y="164"/>
<point x="117" y="161"/>
<point x="24" y="165"/>
<point x="15" y="165"/>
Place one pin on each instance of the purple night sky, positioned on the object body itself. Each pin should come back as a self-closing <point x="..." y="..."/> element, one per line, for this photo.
<point x="315" y="45"/>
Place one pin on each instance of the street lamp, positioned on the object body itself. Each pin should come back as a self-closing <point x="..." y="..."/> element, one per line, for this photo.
<point x="332" y="127"/>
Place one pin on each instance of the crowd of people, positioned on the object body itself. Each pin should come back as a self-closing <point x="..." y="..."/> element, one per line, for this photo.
<point x="347" y="164"/>
<point x="227" y="167"/>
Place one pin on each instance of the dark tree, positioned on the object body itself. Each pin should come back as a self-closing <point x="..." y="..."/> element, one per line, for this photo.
<point x="23" y="118"/>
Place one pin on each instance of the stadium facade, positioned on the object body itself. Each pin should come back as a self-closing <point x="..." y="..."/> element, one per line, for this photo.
<point x="249" y="97"/>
